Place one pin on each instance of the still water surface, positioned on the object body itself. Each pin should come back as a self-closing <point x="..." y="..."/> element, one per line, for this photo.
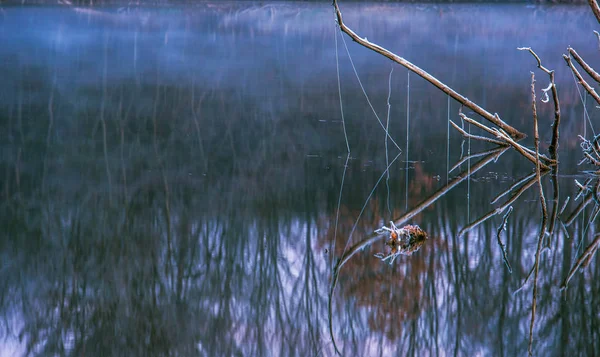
<point x="170" y="181"/>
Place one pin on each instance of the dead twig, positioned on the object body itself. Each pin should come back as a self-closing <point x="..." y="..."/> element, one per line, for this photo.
<point x="502" y="245"/>
<point x="583" y="64"/>
<point x="528" y="153"/>
<point x="493" y="118"/>
<point x="536" y="140"/>
<point x="595" y="8"/>
<point x="555" y="133"/>
<point x="477" y="137"/>
<point x="512" y="187"/>
<point x="536" y="143"/>
<point x="472" y="156"/>
<point x="583" y="260"/>
<point x="588" y="198"/>
<point x="501" y="208"/>
<point x="582" y="81"/>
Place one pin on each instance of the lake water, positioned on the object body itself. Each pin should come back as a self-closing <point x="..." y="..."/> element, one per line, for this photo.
<point x="171" y="182"/>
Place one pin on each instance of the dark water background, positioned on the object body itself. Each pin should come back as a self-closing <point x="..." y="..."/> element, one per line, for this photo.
<point x="170" y="180"/>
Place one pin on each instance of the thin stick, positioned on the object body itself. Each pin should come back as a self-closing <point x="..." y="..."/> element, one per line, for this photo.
<point x="595" y="8"/>
<point x="555" y="133"/>
<point x="544" y="216"/>
<point x="502" y="245"/>
<point x="493" y="118"/>
<point x="582" y="81"/>
<point x="584" y="65"/>
<point x="523" y="150"/>
<point x="512" y="187"/>
<point x="585" y="256"/>
<point x="500" y="209"/>
<point x="387" y="130"/>
<point x="579" y="209"/>
<point x="536" y="143"/>
<point x="472" y="156"/>
<point x="477" y="137"/>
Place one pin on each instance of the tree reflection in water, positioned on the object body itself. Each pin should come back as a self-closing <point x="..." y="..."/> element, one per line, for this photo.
<point x="182" y="201"/>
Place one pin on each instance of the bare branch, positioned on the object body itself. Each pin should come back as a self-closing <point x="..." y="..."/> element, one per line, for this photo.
<point x="584" y="258"/>
<point x="512" y="187"/>
<point x="537" y="58"/>
<point x="584" y="65"/>
<point x="472" y="156"/>
<point x="595" y="8"/>
<point x="555" y="133"/>
<point x="501" y="208"/>
<point x="582" y="81"/>
<point x="502" y="245"/>
<point x="477" y="137"/>
<point x="493" y="118"/>
<point x="528" y="152"/>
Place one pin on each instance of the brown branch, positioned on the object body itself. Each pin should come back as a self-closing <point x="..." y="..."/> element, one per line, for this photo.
<point x="536" y="143"/>
<point x="500" y="209"/>
<point x="595" y="8"/>
<point x="584" y="65"/>
<point x="579" y="209"/>
<point x="521" y="149"/>
<point x="582" y="81"/>
<point x="472" y="156"/>
<point x="477" y="137"/>
<point x="555" y="133"/>
<point x="493" y="118"/>
<point x="536" y="140"/>
<point x="585" y="257"/>
<point x="512" y="187"/>
<point x="537" y="58"/>
<point x="528" y="153"/>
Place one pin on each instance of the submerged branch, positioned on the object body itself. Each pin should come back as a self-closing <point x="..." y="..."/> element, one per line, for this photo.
<point x="502" y="245"/>
<point x="493" y="118"/>
<point x="584" y="259"/>
<point x="472" y="156"/>
<point x="501" y="208"/>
